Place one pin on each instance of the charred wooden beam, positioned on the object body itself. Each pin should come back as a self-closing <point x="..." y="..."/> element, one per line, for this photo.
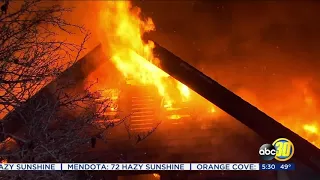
<point x="265" y="126"/>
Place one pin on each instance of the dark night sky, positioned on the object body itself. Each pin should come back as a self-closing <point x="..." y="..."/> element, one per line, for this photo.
<point x="241" y="28"/>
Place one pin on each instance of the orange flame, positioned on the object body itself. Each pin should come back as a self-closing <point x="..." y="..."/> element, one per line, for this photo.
<point x="311" y="128"/>
<point x="157" y="176"/>
<point x="297" y="110"/>
<point x="123" y="29"/>
<point x="4" y="161"/>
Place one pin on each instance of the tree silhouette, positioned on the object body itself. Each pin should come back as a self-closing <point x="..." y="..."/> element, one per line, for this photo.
<point x="55" y="123"/>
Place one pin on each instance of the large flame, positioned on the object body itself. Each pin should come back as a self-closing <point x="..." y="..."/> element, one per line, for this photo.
<point x="122" y="38"/>
<point x="123" y="29"/>
<point x="297" y="109"/>
<point x="301" y="110"/>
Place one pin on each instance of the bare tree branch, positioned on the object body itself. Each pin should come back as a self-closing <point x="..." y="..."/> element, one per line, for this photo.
<point x="55" y="125"/>
<point x="59" y="125"/>
<point x="31" y="55"/>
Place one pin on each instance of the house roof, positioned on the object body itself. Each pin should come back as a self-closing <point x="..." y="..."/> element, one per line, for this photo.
<point x="263" y="125"/>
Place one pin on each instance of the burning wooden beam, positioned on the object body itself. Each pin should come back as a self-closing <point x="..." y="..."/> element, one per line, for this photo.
<point x="252" y="117"/>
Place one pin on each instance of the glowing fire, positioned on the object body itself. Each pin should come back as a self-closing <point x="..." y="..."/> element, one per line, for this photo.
<point x="213" y="110"/>
<point x="178" y="116"/>
<point x="311" y="128"/>
<point x="298" y="110"/>
<point x="184" y="90"/>
<point x="123" y="29"/>
<point x="156" y="175"/>
<point x="122" y="38"/>
<point x="4" y="161"/>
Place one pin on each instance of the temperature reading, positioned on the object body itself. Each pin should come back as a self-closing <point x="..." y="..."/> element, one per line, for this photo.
<point x="287" y="166"/>
<point x="278" y="166"/>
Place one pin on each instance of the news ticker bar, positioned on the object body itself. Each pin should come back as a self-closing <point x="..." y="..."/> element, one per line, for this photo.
<point x="145" y="166"/>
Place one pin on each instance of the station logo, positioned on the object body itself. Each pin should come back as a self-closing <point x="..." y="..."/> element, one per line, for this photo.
<point x="281" y="149"/>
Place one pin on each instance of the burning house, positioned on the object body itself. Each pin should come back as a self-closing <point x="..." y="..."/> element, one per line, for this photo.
<point x="179" y="137"/>
<point x="162" y="108"/>
<point x="147" y="108"/>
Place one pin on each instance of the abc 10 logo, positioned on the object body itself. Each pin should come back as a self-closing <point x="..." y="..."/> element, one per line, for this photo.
<point x="281" y="149"/>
